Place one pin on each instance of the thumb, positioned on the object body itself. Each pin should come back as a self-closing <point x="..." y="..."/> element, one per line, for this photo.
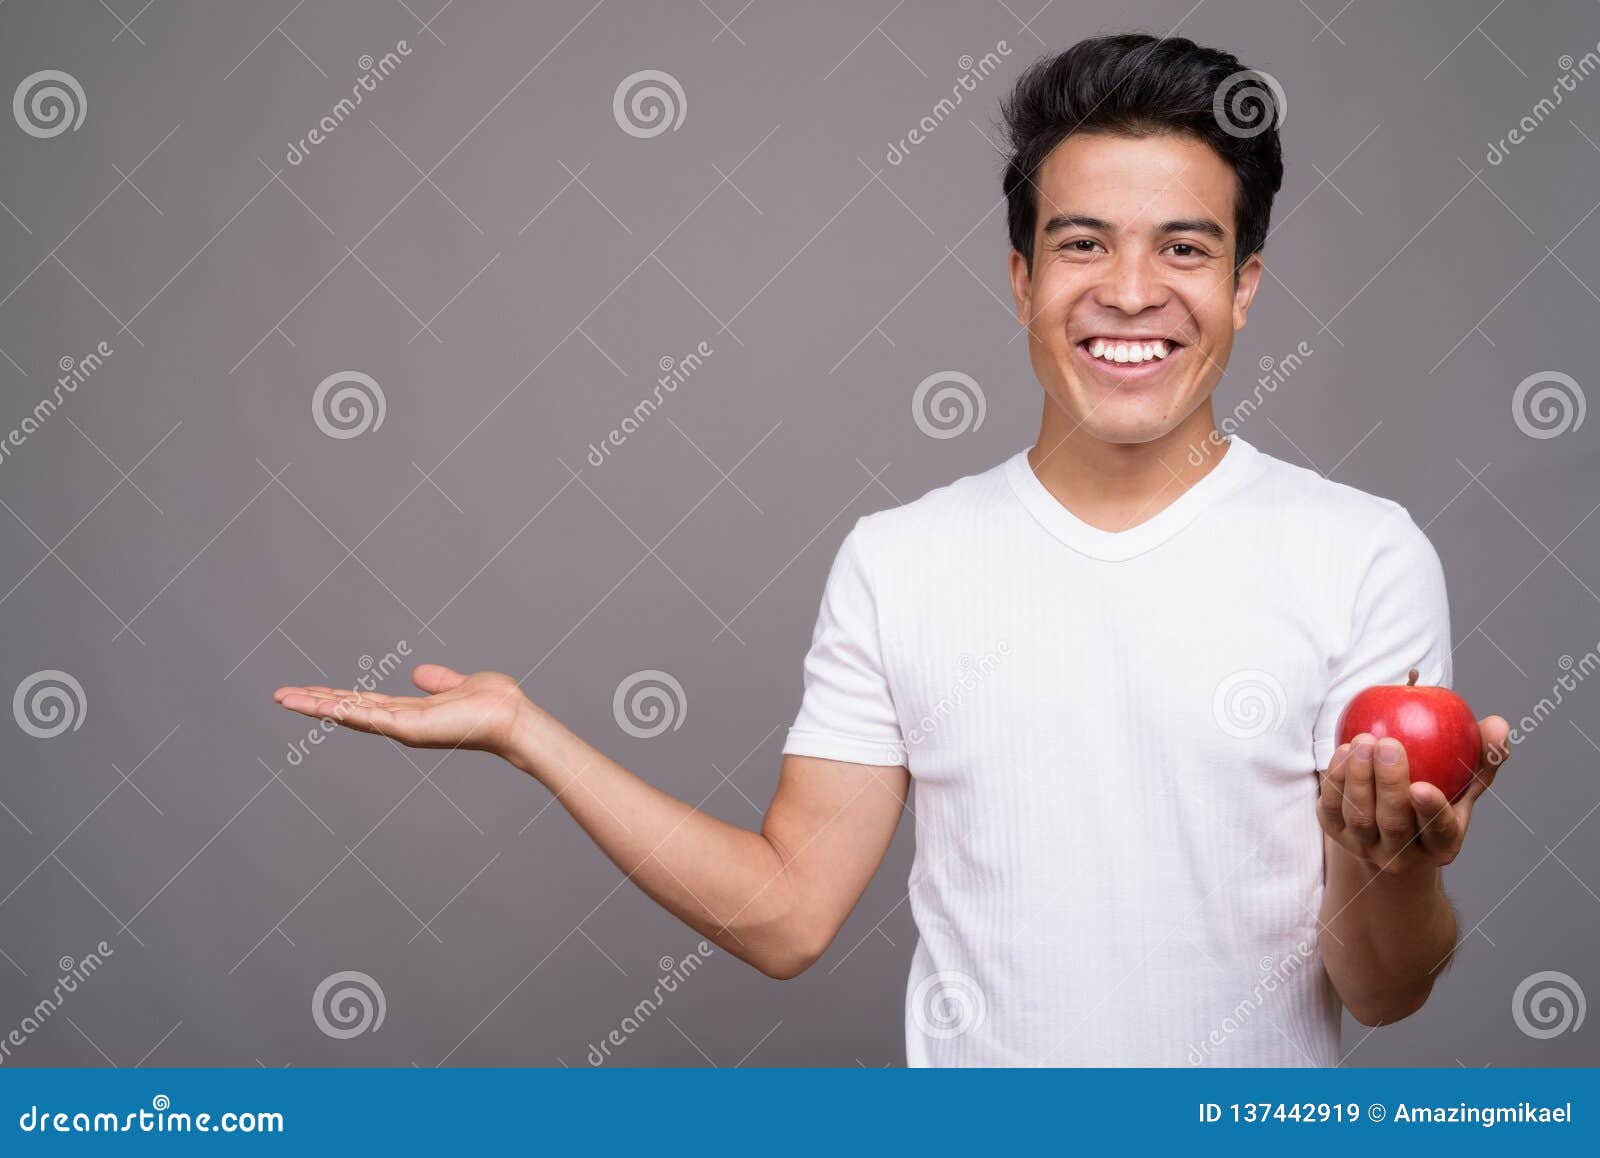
<point x="434" y="678"/>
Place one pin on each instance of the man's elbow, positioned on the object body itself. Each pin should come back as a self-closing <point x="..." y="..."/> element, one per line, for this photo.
<point x="793" y="954"/>
<point x="786" y="967"/>
<point x="1388" y="1009"/>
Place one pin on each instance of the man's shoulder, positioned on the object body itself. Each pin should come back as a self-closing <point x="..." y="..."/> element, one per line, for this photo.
<point x="944" y="510"/>
<point x="1316" y="500"/>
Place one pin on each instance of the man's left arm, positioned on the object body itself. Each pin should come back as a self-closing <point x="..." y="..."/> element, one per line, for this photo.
<point x="1386" y="927"/>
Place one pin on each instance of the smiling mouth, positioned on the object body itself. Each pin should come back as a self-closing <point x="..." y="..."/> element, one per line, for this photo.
<point x="1124" y="357"/>
<point x="1120" y="351"/>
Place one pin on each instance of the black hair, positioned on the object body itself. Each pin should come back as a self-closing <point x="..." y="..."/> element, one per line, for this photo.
<point x="1138" y="85"/>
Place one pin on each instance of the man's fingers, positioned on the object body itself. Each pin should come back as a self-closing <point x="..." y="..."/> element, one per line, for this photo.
<point x="312" y="702"/>
<point x="314" y="690"/>
<point x="345" y="695"/>
<point x="346" y="711"/>
<point x="1360" y="814"/>
<point x="291" y="698"/>
<point x="434" y="678"/>
<point x="1494" y="749"/>
<point x="377" y="698"/>
<point x="364" y="719"/>
<point x="1496" y="735"/>
<point x="1440" y="824"/>
<point x="1396" y="817"/>
<point x="1330" y="802"/>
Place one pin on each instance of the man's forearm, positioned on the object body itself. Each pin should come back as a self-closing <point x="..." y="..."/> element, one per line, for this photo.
<point x="726" y="882"/>
<point x="1384" y="938"/>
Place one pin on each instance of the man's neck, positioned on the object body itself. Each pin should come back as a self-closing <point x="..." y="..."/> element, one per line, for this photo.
<point x="1117" y="486"/>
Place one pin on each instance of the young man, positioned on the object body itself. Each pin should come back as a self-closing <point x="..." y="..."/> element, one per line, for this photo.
<point x="1112" y="664"/>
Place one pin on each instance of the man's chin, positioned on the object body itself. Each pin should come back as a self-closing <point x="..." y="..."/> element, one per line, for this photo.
<point x="1132" y="435"/>
<point x="1124" y="423"/>
<point x="1125" y="416"/>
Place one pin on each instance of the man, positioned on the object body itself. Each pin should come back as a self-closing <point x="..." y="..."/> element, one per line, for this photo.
<point x="1112" y="664"/>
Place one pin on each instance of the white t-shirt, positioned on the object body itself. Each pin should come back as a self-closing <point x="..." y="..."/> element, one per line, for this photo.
<point x="1114" y="740"/>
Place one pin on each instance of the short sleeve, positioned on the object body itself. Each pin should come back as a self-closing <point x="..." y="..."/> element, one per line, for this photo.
<point x="846" y="712"/>
<point x="1400" y="620"/>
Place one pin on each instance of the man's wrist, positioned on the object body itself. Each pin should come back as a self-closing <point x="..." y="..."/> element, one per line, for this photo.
<point x="531" y="733"/>
<point x="1416" y="878"/>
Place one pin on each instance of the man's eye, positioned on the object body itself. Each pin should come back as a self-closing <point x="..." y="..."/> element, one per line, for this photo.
<point x="1184" y="249"/>
<point x="1080" y="245"/>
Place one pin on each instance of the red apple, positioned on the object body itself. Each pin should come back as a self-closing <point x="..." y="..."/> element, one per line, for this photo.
<point x="1437" y="728"/>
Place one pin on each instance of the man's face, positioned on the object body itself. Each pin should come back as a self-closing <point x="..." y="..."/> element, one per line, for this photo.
<point x="1133" y="252"/>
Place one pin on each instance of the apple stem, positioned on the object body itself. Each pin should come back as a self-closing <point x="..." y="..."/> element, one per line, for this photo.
<point x="1411" y="680"/>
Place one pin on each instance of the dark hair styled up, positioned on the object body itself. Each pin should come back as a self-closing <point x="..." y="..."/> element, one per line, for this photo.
<point x="1138" y="85"/>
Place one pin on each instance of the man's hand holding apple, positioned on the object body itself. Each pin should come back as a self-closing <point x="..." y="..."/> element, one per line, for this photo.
<point x="1399" y="791"/>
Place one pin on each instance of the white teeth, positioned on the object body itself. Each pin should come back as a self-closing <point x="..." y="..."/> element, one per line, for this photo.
<point x="1127" y="352"/>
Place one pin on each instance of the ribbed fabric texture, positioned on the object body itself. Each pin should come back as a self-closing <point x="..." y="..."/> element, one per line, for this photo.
<point x="1114" y="740"/>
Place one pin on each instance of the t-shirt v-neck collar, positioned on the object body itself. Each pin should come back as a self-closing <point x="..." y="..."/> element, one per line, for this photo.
<point x="1239" y="463"/>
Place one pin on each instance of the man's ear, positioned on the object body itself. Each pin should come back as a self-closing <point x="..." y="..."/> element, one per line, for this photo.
<point x="1022" y="288"/>
<point x="1244" y="289"/>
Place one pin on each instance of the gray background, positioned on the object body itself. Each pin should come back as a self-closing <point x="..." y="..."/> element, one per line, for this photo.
<point x="181" y="537"/>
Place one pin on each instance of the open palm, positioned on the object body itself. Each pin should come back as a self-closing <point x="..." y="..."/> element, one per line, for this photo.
<point x="462" y="711"/>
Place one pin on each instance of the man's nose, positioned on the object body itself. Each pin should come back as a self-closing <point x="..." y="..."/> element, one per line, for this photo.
<point x="1131" y="284"/>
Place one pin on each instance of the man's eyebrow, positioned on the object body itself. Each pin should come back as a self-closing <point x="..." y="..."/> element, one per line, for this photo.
<point x="1075" y="221"/>
<point x="1201" y="225"/>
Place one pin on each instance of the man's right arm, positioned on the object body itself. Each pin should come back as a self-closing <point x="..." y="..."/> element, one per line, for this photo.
<point x="774" y="898"/>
